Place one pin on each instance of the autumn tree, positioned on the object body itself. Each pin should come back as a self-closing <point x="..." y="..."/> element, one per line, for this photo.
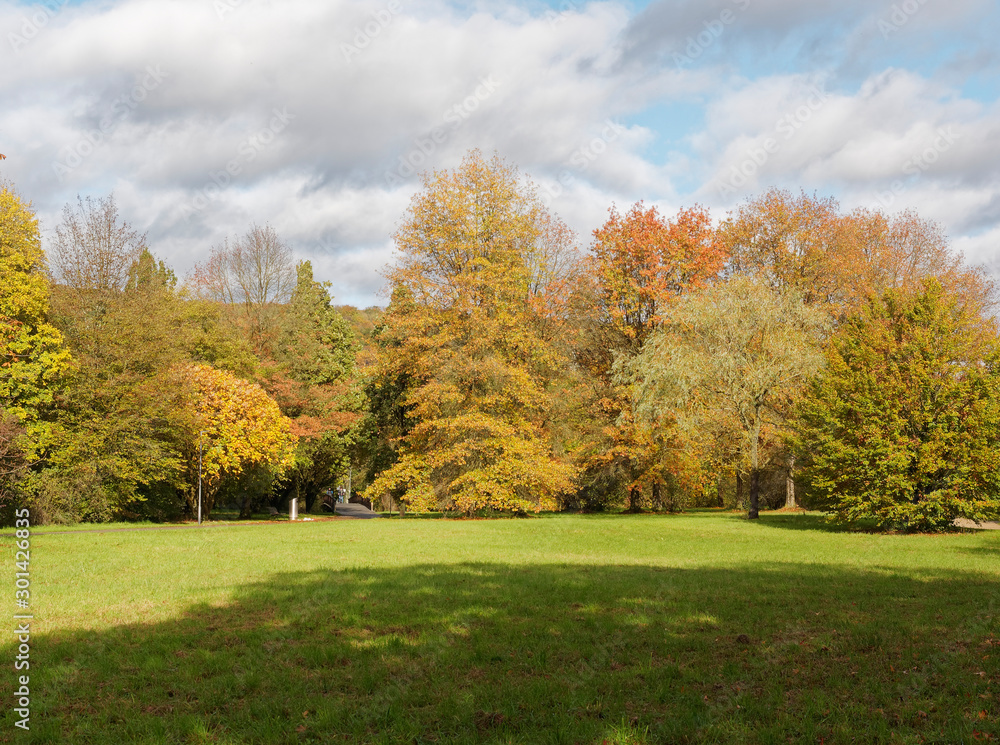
<point x="805" y="243"/>
<point x="734" y="357"/>
<point x="34" y="362"/>
<point x="903" y="427"/>
<point x="253" y="274"/>
<point x="246" y="442"/>
<point x="117" y="307"/>
<point x="472" y="329"/>
<point x="312" y="378"/>
<point x="94" y="248"/>
<point x="640" y="264"/>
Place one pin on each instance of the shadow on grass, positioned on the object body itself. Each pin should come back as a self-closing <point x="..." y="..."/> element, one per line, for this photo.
<point x="488" y="652"/>
<point x="806" y="521"/>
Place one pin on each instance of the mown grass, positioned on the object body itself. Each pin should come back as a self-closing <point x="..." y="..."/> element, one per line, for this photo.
<point x="700" y="628"/>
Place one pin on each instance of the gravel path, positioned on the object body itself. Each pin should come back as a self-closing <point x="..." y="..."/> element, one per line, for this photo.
<point x="964" y="522"/>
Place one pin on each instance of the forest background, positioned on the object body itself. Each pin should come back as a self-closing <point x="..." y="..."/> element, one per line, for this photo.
<point x="789" y="353"/>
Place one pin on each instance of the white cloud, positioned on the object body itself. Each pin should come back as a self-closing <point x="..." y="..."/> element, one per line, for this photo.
<point x="365" y="90"/>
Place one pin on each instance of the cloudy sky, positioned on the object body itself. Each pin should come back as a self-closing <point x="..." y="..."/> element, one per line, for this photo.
<point x="204" y="116"/>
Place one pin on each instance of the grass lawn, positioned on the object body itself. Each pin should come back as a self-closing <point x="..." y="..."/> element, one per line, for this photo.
<point x="698" y="628"/>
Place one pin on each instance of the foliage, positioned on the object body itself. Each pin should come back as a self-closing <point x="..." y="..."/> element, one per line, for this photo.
<point x="837" y="260"/>
<point x="241" y="431"/>
<point x="904" y="426"/>
<point x="33" y="361"/>
<point x="312" y="379"/>
<point x="476" y="310"/>
<point x="733" y="359"/>
<point x="640" y="264"/>
<point x="123" y="322"/>
<point x="643" y="262"/>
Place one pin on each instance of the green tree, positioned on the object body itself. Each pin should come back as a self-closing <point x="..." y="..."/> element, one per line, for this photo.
<point x="118" y="310"/>
<point x="904" y="425"/>
<point x="733" y="359"/>
<point x="481" y="276"/>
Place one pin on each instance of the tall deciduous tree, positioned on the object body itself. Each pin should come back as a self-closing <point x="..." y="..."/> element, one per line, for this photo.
<point x="640" y="264"/>
<point x="312" y="378"/>
<point x="733" y="358"/>
<point x="253" y="273"/>
<point x="807" y="244"/>
<point x="94" y="249"/>
<point x="34" y="362"/>
<point x="480" y="273"/>
<point x="904" y="425"/>
<point x="121" y="317"/>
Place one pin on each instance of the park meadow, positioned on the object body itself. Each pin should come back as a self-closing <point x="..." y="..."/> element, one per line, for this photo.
<point x="695" y="628"/>
<point x="699" y="481"/>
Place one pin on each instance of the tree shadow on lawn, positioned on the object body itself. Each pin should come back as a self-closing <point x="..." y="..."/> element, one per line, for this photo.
<point x="808" y="521"/>
<point x="489" y="652"/>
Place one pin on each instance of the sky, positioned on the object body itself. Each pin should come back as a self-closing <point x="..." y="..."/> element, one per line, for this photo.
<point x="317" y="117"/>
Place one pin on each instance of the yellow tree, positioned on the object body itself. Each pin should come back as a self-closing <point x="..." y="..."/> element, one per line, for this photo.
<point x="473" y="332"/>
<point x="33" y="360"/>
<point x="240" y="429"/>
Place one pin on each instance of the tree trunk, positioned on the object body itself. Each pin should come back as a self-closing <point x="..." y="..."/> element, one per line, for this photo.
<point x="657" y="504"/>
<point x="245" y="507"/>
<point x="790" y="485"/>
<point x="633" y="499"/>
<point x="718" y="490"/>
<point x="755" y="468"/>
<point x="739" y="490"/>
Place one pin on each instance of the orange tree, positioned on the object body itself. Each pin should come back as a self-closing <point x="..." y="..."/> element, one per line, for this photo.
<point x="640" y="264"/>
<point x="470" y="345"/>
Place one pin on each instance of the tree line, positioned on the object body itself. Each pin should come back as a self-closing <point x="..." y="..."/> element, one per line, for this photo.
<point x="792" y="352"/>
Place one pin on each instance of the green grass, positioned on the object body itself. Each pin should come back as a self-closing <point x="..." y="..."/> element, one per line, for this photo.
<point x="699" y="628"/>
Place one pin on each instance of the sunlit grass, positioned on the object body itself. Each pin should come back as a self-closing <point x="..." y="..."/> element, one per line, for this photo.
<point x="564" y="629"/>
